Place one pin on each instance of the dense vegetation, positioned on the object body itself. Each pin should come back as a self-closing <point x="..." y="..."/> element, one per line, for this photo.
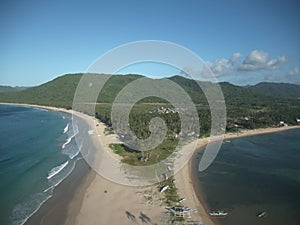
<point x="58" y="92"/>
<point x="9" y="88"/>
<point x="281" y="90"/>
<point x="248" y="107"/>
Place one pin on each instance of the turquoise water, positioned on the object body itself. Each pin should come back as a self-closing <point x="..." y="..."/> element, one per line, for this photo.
<point x="37" y="151"/>
<point x="255" y="174"/>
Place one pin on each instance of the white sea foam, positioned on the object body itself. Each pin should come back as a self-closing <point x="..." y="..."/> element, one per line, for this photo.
<point x="74" y="155"/>
<point x="67" y="142"/>
<point x="57" y="169"/>
<point x="75" y="131"/>
<point x="23" y="211"/>
<point x="71" y="151"/>
<point x="32" y="201"/>
<point x="51" y="188"/>
<point x="66" y="128"/>
<point x="41" y="109"/>
<point x="58" y="179"/>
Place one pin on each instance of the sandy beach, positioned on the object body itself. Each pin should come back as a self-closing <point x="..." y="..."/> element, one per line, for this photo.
<point x="127" y="205"/>
<point x="101" y="201"/>
<point x="184" y="176"/>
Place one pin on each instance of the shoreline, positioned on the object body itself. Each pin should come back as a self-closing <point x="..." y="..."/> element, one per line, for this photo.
<point x="64" y="205"/>
<point x="187" y="182"/>
<point x="80" y="208"/>
<point x="94" y="192"/>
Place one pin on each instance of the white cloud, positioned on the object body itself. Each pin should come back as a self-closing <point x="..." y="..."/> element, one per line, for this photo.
<point x="257" y="63"/>
<point x="249" y="67"/>
<point x="224" y="66"/>
<point x="259" y="60"/>
<point x="235" y="57"/>
<point x="294" y="71"/>
<point x="203" y="73"/>
<point x="256" y="60"/>
<point x="256" y="57"/>
<point x="220" y="66"/>
<point x="274" y="63"/>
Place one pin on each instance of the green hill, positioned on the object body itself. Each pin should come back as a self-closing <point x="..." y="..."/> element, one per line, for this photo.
<point x="10" y="89"/>
<point x="246" y="108"/>
<point x="58" y="92"/>
<point x="261" y="105"/>
<point x="282" y="90"/>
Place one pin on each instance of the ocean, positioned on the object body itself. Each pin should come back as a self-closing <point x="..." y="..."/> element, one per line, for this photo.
<point x="37" y="152"/>
<point x="251" y="175"/>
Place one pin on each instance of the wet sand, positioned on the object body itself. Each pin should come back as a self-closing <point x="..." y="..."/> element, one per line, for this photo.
<point x="67" y="197"/>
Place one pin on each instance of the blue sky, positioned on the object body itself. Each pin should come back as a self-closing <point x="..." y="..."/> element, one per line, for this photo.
<point x="244" y="42"/>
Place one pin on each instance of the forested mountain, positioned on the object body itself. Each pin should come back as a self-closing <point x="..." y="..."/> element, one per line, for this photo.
<point x="4" y="88"/>
<point x="247" y="107"/>
<point x="282" y="90"/>
<point x="60" y="91"/>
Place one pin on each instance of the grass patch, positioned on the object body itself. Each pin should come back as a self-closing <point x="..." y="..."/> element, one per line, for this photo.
<point x="172" y="199"/>
<point x="117" y="148"/>
<point x="138" y="158"/>
<point x="108" y="131"/>
<point x="171" y="194"/>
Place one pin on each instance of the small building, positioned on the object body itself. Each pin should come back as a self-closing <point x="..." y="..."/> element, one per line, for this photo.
<point x="282" y="124"/>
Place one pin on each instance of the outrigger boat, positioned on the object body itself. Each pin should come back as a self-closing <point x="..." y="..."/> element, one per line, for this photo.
<point x="218" y="214"/>
<point x="262" y="214"/>
<point x="164" y="188"/>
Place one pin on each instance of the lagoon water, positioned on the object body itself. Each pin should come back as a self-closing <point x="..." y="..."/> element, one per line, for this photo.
<point x="37" y="152"/>
<point x="255" y="174"/>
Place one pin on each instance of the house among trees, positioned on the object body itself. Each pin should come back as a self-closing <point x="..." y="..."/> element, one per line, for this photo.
<point x="282" y="124"/>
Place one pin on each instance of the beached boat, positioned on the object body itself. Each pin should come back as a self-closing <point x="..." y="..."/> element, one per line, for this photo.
<point x="262" y="214"/>
<point x="162" y="189"/>
<point x="218" y="214"/>
<point x="181" y="200"/>
<point x="182" y="209"/>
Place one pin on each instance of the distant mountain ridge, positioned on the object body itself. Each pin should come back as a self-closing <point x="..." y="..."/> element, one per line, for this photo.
<point x="281" y="90"/>
<point x="4" y="88"/>
<point x="60" y="91"/>
<point x="248" y="107"/>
